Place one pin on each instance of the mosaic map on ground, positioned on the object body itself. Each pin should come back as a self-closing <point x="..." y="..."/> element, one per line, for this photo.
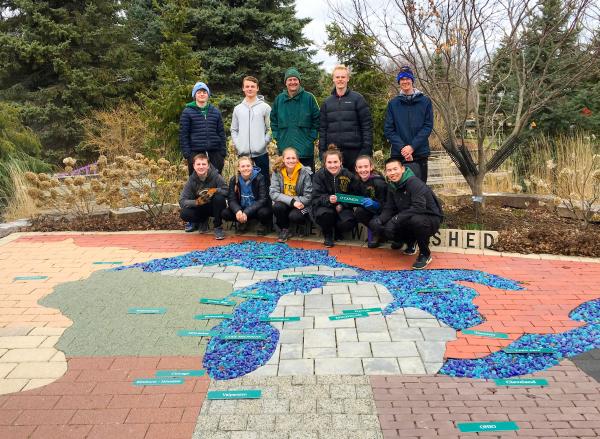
<point x="283" y="313"/>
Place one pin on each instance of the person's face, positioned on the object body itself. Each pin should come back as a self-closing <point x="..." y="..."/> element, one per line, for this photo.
<point x="250" y="89"/>
<point x="333" y="164"/>
<point x="201" y="165"/>
<point x="201" y="97"/>
<point x="292" y="84"/>
<point x="406" y="85"/>
<point x="363" y="169"/>
<point x="340" y="78"/>
<point x="394" y="171"/>
<point x="290" y="160"/>
<point x="245" y="168"/>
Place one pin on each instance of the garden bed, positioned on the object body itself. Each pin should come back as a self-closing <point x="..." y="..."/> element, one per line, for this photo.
<point x="521" y="230"/>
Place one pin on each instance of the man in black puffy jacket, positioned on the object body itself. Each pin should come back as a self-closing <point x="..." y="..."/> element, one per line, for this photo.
<point x="201" y="130"/>
<point x="346" y="120"/>
<point x="411" y="212"/>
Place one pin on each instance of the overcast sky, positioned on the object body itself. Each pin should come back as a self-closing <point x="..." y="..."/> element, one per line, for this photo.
<point x="318" y="11"/>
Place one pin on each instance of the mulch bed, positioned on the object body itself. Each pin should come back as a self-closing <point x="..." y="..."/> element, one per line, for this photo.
<point x="521" y="230"/>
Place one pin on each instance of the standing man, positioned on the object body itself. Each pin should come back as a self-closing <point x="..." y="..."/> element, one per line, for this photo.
<point x="408" y="124"/>
<point x="295" y="119"/>
<point x="346" y="120"/>
<point x="250" y="126"/>
<point x="201" y="130"/>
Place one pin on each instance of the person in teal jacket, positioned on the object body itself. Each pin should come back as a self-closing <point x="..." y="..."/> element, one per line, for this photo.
<point x="295" y="119"/>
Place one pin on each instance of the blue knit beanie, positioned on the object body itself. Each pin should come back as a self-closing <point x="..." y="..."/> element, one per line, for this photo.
<point x="200" y="86"/>
<point x="405" y="72"/>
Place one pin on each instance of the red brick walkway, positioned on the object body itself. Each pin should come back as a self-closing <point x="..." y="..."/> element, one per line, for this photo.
<point x="96" y="399"/>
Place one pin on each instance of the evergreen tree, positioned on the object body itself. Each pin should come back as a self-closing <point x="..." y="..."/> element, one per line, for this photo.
<point x="261" y="38"/>
<point x="61" y="59"/>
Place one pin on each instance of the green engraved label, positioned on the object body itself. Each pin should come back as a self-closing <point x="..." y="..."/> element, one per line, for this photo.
<point x="244" y="336"/>
<point x="158" y="381"/>
<point x="180" y="373"/>
<point x="31" y="277"/>
<point x="472" y="427"/>
<point x="529" y="351"/>
<point x="522" y="382"/>
<point x="212" y="316"/>
<point x="279" y="319"/>
<point x="193" y="333"/>
<point x="434" y="290"/>
<point x="107" y="262"/>
<point x="341" y="281"/>
<point x="485" y="333"/>
<point x="146" y="310"/>
<point x="223" y="302"/>
<point x="299" y="275"/>
<point x="234" y="394"/>
<point x="352" y="199"/>
<point x="254" y="296"/>
<point x="354" y="315"/>
<point x="361" y="310"/>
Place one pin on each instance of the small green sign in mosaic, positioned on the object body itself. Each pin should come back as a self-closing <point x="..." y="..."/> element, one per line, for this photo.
<point x="212" y="316"/>
<point x="522" y="382"/>
<point x="434" y="290"/>
<point x="299" y="275"/>
<point x="31" y="277"/>
<point x="353" y="315"/>
<point x="244" y="336"/>
<point x="361" y="310"/>
<point x="194" y="333"/>
<point x="146" y="310"/>
<point x="180" y="373"/>
<point x="234" y="394"/>
<point x="223" y="302"/>
<point x="107" y="262"/>
<point x="341" y="281"/>
<point x="279" y="319"/>
<point x="529" y="351"/>
<point x="473" y="427"/>
<point x="158" y="381"/>
<point x="485" y="333"/>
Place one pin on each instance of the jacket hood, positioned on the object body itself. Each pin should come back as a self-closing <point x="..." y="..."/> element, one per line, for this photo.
<point x="300" y="91"/>
<point x="400" y="184"/>
<point x="260" y="100"/>
<point x="415" y="97"/>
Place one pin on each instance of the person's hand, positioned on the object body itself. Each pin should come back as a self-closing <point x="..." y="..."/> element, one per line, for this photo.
<point x="409" y="158"/>
<point x="407" y="151"/>
<point x="338" y="208"/>
<point x="239" y="216"/>
<point x="332" y="199"/>
<point x="367" y="202"/>
<point x="298" y="205"/>
<point x="244" y="218"/>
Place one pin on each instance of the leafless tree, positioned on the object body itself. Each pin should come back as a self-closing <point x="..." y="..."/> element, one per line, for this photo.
<point x="455" y="44"/>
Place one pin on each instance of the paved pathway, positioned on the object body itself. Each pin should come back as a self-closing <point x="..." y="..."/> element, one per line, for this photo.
<point x="82" y="386"/>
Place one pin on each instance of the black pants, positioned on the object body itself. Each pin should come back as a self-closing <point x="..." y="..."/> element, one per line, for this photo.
<point x="417" y="228"/>
<point x="262" y="161"/>
<point x="363" y="216"/>
<point x="215" y="158"/>
<point x="328" y="219"/>
<point x="264" y="215"/>
<point x="285" y="214"/>
<point x="200" y="214"/>
<point x="419" y="167"/>
<point x="308" y="161"/>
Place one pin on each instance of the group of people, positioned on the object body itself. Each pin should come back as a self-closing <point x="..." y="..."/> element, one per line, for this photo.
<point x="347" y="190"/>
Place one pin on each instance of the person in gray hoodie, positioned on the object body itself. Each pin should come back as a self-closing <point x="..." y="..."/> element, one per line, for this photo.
<point x="291" y="192"/>
<point x="204" y="195"/>
<point x="251" y="126"/>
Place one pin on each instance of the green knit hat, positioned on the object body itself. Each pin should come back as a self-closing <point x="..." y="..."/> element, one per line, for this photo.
<point x="292" y="72"/>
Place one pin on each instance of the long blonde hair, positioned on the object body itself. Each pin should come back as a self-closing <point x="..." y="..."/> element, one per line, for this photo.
<point x="278" y="163"/>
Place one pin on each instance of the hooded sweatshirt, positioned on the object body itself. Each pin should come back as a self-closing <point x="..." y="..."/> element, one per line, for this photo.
<point x="247" y="196"/>
<point x="195" y="185"/>
<point x="303" y="187"/>
<point x="251" y="127"/>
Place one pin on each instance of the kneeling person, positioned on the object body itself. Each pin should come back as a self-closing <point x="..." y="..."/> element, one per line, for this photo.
<point x="375" y="189"/>
<point x="411" y="212"/>
<point x="247" y="197"/>
<point x="203" y="196"/>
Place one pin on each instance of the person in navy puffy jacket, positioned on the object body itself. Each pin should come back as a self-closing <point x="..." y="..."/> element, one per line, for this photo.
<point x="408" y="124"/>
<point x="201" y="130"/>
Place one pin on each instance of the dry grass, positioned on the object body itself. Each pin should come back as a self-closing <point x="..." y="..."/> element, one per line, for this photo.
<point x="20" y="204"/>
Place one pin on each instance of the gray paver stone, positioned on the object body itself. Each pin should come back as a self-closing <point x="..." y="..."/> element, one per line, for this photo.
<point x="394" y="349"/>
<point x="296" y="367"/>
<point x="431" y="351"/>
<point x="381" y="366"/>
<point x="320" y="353"/>
<point x="318" y="301"/>
<point x="319" y="338"/>
<point x="291" y="351"/>
<point x="338" y="366"/>
<point x="354" y="349"/>
<point x="439" y="334"/>
<point x="346" y="335"/>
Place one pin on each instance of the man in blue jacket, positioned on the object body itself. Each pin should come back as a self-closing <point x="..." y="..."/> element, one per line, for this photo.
<point x="201" y="130"/>
<point x="408" y="124"/>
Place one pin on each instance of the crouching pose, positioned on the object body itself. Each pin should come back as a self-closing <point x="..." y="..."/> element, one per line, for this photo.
<point x="330" y="214"/>
<point x="247" y="198"/>
<point x="291" y="190"/>
<point x="203" y="196"/>
<point x="374" y="187"/>
<point x="411" y="212"/>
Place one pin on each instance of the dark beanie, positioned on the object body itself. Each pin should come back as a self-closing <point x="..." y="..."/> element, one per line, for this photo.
<point x="292" y="72"/>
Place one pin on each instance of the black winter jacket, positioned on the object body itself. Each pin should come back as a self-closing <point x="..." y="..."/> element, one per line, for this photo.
<point x="326" y="184"/>
<point x="259" y="190"/>
<point x="201" y="134"/>
<point x="375" y="188"/>
<point x="346" y="121"/>
<point x="194" y="186"/>
<point x="410" y="196"/>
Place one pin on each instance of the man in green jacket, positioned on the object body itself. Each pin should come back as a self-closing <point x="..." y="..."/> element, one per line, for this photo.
<point x="295" y="119"/>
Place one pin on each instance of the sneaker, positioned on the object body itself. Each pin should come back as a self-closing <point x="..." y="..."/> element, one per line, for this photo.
<point x="396" y="245"/>
<point x="219" y="234"/>
<point x="328" y="240"/>
<point x="261" y="230"/>
<point x="410" y="249"/>
<point x="373" y="243"/>
<point x="422" y="261"/>
<point x="191" y="227"/>
<point x="284" y="235"/>
<point x="203" y="227"/>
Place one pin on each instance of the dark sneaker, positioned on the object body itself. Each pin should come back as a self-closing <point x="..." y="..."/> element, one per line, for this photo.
<point x="261" y="230"/>
<point x="396" y="245"/>
<point x="284" y="235"/>
<point x="191" y="227"/>
<point x="219" y="234"/>
<point x="328" y="240"/>
<point x="374" y="241"/>
<point x="410" y="249"/>
<point x="203" y="227"/>
<point x="422" y="261"/>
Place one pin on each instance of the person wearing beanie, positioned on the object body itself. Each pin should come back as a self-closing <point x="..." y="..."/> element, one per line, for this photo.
<point x="408" y="124"/>
<point x="346" y="120"/>
<point x="201" y="129"/>
<point x="251" y="126"/>
<point x="295" y="119"/>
